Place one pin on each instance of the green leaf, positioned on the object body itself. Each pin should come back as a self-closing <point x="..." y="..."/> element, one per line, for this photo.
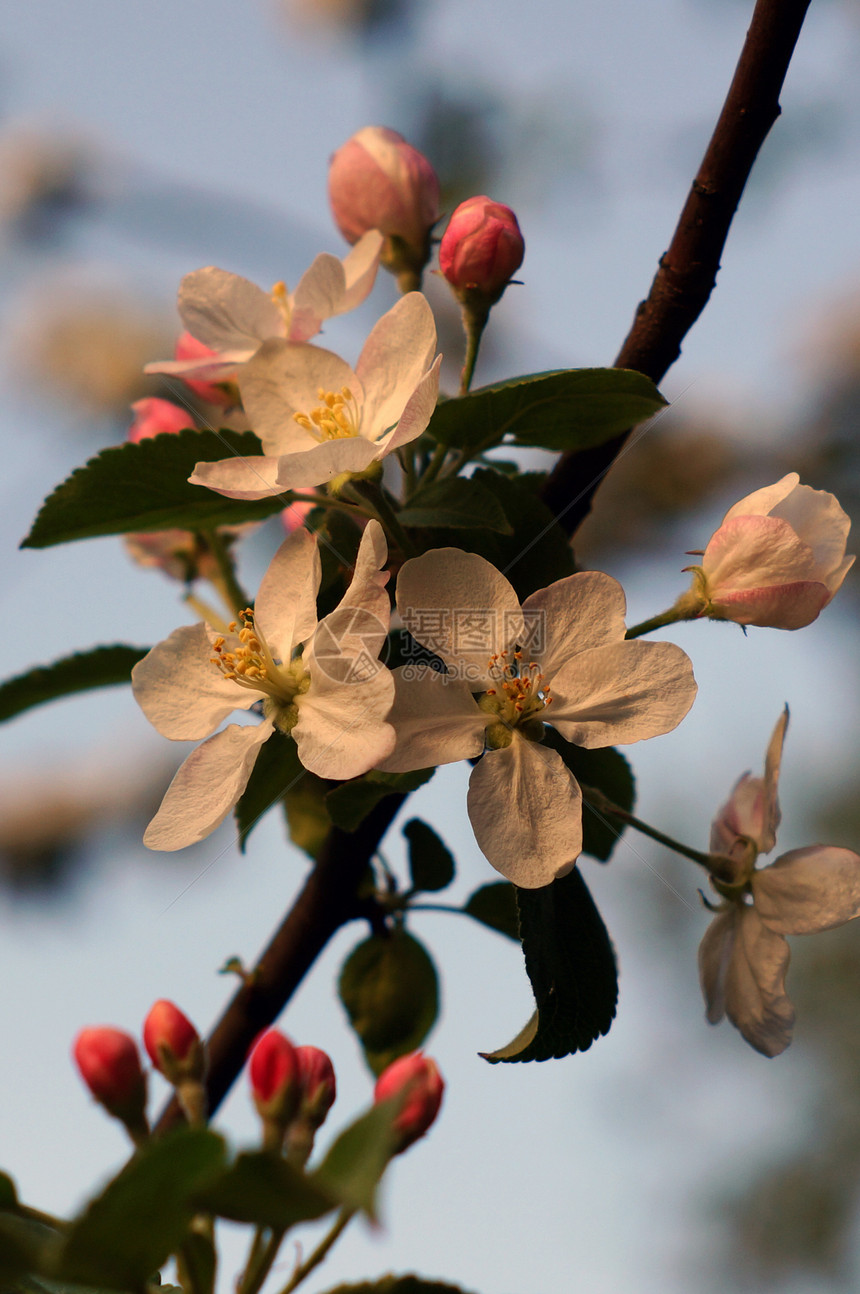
<point x="389" y="988"/>
<point x="538" y="552"/>
<point x="398" y="1285"/>
<point x="609" y="772"/>
<point x="348" y="805"/>
<point x="144" y="486"/>
<point x="266" y="1191"/>
<point x="8" y="1194"/>
<point x="459" y="503"/>
<point x="140" y="1218"/>
<point x="495" y="905"/>
<point x="354" y="1165"/>
<point x="571" y="966"/>
<point x="23" y="1245"/>
<point x="276" y="770"/>
<point x="307" y="816"/>
<point x="198" y="1263"/>
<point x="567" y="410"/>
<point x="431" y="864"/>
<point x="82" y="672"/>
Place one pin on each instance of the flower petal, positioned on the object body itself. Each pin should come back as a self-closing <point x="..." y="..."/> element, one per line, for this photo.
<point x="526" y="813"/>
<point x="579" y="612"/>
<point x="417" y="412"/>
<point x="218" y="368"/>
<point x="331" y="286"/>
<point x="741" y="815"/>
<point x="286" y="606"/>
<point x="623" y="692"/>
<point x="818" y="519"/>
<point x="358" y="627"/>
<point x="436" y="721"/>
<point x="227" y="312"/>
<point x="285" y="378"/>
<point x="779" y="606"/>
<point x="756" y="552"/>
<point x="459" y="606"/>
<point x="181" y="692"/>
<point x="394" y="359"/>
<point x="762" y="502"/>
<point x="207" y="786"/>
<point x="742" y="966"/>
<point x="240" y="478"/>
<point x="807" y="890"/>
<point x="321" y="463"/>
<point x="342" y="729"/>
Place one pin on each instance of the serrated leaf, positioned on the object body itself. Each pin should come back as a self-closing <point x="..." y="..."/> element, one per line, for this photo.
<point x="354" y="1165"/>
<point x="266" y="1191"/>
<point x="431" y="863"/>
<point x="276" y="770"/>
<point x="571" y="965"/>
<point x="398" y="1285"/>
<point x="348" y="805"/>
<point x="562" y="411"/>
<point x="130" y="1229"/>
<point x="460" y="503"/>
<point x="144" y="486"/>
<point x="81" y="672"/>
<point x="609" y="771"/>
<point x="390" y="991"/>
<point x="495" y="905"/>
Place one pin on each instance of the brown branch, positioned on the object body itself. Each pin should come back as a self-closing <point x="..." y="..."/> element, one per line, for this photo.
<point x="688" y="270"/>
<point x="327" y="901"/>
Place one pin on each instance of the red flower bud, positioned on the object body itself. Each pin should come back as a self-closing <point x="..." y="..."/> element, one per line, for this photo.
<point x="319" y="1087"/>
<point x="172" y="1042"/>
<point x="275" y="1078"/>
<point x="419" y="1082"/>
<point x="482" y="248"/>
<point x="109" y="1064"/>
<point x="378" y="181"/>
<point x="153" y="416"/>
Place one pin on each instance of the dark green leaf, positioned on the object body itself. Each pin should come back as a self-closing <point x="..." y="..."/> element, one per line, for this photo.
<point x="198" y="1263"/>
<point x="389" y="988"/>
<point x="458" y="503"/>
<point x="276" y="771"/>
<point x="431" y="864"/>
<point x="307" y="816"/>
<point x="101" y="667"/>
<point x="24" y="1244"/>
<point x="568" y="410"/>
<point x="128" y="1231"/>
<point x="571" y="966"/>
<point x="349" y="805"/>
<point x="398" y="1285"/>
<point x="610" y="772"/>
<point x="352" y="1169"/>
<point x="266" y="1191"/>
<point x="495" y="905"/>
<point x="8" y="1194"/>
<point x="144" y="486"/>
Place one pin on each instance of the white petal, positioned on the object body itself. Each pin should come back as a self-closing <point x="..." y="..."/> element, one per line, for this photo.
<point x="772" y="764"/>
<point x="395" y="357"/>
<point x="240" y="478"/>
<point x="749" y="553"/>
<point x="623" y="692"/>
<point x="360" y="266"/>
<point x="416" y="414"/>
<point x="181" y="692"/>
<point x="715" y="952"/>
<point x="285" y="378"/>
<point x="574" y="614"/>
<point x="436" y="721"/>
<point x="206" y="787"/>
<point x="227" y="312"/>
<point x="741" y="815"/>
<point x="761" y="502"/>
<point x="743" y="966"/>
<point x="526" y="813"/>
<point x="358" y="627"/>
<point x="342" y="730"/>
<point x="807" y="890"/>
<point x="459" y="606"/>
<point x="286" y="606"/>
<point x="331" y="287"/>
<point x="319" y="464"/>
<point x="218" y="368"/>
<point x="819" y="521"/>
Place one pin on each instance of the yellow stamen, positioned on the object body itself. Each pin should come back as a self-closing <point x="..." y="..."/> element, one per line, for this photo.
<point x="337" y="417"/>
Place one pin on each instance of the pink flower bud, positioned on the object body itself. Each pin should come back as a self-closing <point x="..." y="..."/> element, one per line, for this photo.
<point x="109" y="1064"/>
<point x="482" y="248"/>
<point x="378" y="181"/>
<point x="319" y="1087"/>
<point x="188" y="347"/>
<point x="418" y="1080"/>
<point x="275" y="1078"/>
<point x="294" y="516"/>
<point x="153" y="416"/>
<point x="171" y="1040"/>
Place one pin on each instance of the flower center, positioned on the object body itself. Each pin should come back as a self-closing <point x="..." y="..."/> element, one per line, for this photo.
<point x="251" y="665"/>
<point x="337" y="417"/>
<point x="281" y="298"/>
<point x="520" y="696"/>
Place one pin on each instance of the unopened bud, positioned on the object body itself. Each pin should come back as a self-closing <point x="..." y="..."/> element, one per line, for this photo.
<point x="172" y="1043"/>
<point x="153" y="416"/>
<point x="109" y="1064"/>
<point x="417" y="1080"/>
<point x="481" y="249"/>
<point x="275" y="1083"/>
<point x="319" y="1086"/>
<point x="379" y="181"/>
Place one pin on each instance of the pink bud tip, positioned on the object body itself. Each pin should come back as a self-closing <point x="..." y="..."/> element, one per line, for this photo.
<point x="109" y="1064"/>
<point x="482" y="248"/>
<point x="419" y="1081"/>
<point x="319" y="1086"/>
<point x="166" y="1027"/>
<point x="379" y="181"/>
<point x="275" y="1076"/>
<point x="153" y="416"/>
<point x="188" y="347"/>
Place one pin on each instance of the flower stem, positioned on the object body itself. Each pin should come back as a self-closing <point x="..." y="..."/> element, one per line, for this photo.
<point x="433" y="467"/>
<point x="719" y="865"/>
<point x="474" y="323"/>
<point x="374" y="502"/>
<point x="689" y="606"/>
<point x="260" y="1261"/>
<point x="304" y="1269"/>
<point x="227" y="584"/>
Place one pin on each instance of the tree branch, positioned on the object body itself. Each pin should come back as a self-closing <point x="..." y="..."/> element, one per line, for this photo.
<point x="688" y="270"/>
